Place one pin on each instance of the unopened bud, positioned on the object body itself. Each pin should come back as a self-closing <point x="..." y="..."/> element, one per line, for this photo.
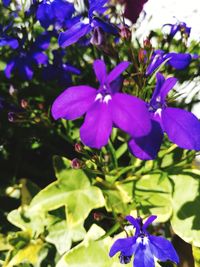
<point x="78" y="147"/>
<point x="97" y="36"/>
<point x="147" y="44"/>
<point x="125" y="33"/>
<point x="98" y="216"/>
<point x="24" y="103"/>
<point x="142" y="56"/>
<point x="76" y="164"/>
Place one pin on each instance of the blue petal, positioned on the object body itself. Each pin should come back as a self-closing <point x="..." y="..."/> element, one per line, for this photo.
<point x="40" y="57"/>
<point x="117" y="71"/>
<point x="9" y="68"/>
<point x="156" y="61"/>
<point x="63" y="10"/>
<point x="162" y="249"/>
<point x="125" y="245"/>
<point x="182" y="128"/>
<point x="143" y="256"/>
<point x="45" y="14"/>
<point x="147" y="147"/>
<point x="107" y="27"/>
<point x="13" y="43"/>
<point x="178" y="61"/>
<point x="100" y="70"/>
<point x="149" y="221"/>
<point x="72" y="35"/>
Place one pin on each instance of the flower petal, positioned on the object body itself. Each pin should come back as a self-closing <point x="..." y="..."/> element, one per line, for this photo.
<point x="147" y="147"/>
<point x="179" y="61"/>
<point x="149" y="221"/>
<point x="97" y="126"/>
<point x="162" y="249"/>
<point x="182" y="128"/>
<point x="73" y="102"/>
<point x="130" y="114"/>
<point x="9" y="68"/>
<point x="72" y="35"/>
<point x="134" y="222"/>
<point x="100" y="70"/>
<point x="117" y="71"/>
<point x="124" y="245"/>
<point x="143" y="257"/>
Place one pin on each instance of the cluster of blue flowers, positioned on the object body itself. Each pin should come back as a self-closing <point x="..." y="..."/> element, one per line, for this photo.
<point x="145" y="121"/>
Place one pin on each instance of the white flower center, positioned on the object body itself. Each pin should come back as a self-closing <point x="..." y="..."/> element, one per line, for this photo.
<point x="104" y="99"/>
<point x="144" y="240"/>
<point x="158" y="112"/>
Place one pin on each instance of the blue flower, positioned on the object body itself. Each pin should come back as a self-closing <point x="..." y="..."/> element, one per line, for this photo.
<point x="104" y="108"/>
<point x="178" y="27"/>
<point x="6" y="2"/>
<point x="54" y="12"/>
<point x="82" y="28"/>
<point x="24" y="60"/>
<point x="5" y="39"/>
<point x="178" y="61"/>
<point x="181" y="126"/>
<point x="143" y="245"/>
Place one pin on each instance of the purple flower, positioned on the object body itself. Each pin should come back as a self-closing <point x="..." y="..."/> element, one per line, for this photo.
<point x="6" y="2"/>
<point x="181" y="126"/>
<point x="54" y="12"/>
<point x="5" y="39"/>
<point x="82" y="28"/>
<point x="143" y="245"/>
<point x="23" y="62"/>
<point x="178" y="61"/>
<point x="104" y="108"/>
<point x="178" y="27"/>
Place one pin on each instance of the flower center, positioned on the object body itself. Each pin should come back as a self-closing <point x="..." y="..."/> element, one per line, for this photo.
<point x="142" y="239"/>
<point x="103" y="98"/>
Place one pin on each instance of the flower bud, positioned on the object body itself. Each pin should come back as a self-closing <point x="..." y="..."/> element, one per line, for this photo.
<point x="24" y="103"/>
<point x="147" y="44"/>
<point x="78" y="147"/>
<point x="76" y="164"/>
<point x="98" y="216"/>
<point x="142" y="56"/>
<point x="97" y="36"/>
<point x="125" y="33"/>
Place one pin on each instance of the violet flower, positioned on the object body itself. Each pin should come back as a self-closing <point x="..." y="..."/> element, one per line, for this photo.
<point x="84" y="27"/>
<point x="24" y="60"/>
<point x="178" y="61"/>
<point x="54" y="12"/>
<point x="181" y="126"/>
<point x="178" y="27"/>
<point x="104" y="108"/>
<point x="143" y="245"/>
<point x="5" y="39"/>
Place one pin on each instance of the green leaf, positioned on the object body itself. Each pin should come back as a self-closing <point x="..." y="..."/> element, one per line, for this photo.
<point x="154" y="196"/>
<point x="91" y="252"/>
<point x="186" y="203"/>
<point x="74" y="191"/>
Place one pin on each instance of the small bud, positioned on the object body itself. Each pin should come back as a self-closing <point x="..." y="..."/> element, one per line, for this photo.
<point x="142" y="56"/>
<point x="97" y="36"/>
<point x="24" y="103"/>
<point x="125" y="33"/>
<point x="78" y="147"/>
<point x="41" y="106"/>
<point x="76" y="164"/>
<point x="12" y="90"/>
<point x="147" y="44"/>
<point x="98" y="216"/>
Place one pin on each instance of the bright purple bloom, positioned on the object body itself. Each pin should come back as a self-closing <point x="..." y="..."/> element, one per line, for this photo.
<point x="181" y="126"/>
<point x="54" y="12"/>
<point x="82" y="28"/>
<point x="178" y="27"/>
<point x="143" y="245"/>
<point x="104" y="108"/>
<point x="178" y="61"/>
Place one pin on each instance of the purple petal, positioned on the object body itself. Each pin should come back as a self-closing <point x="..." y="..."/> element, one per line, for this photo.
<point x="149" y="221"/>
<point x="73" y="102"/>
<point x="162" y="249"/>
<point x="166" y="87"/>
<point x="125" y="245"/>
<point x="117" y="71"/>
<point x="27" y="72"/>
<point x="143" y="257"/>
<point x="156" y="61"/>
<point x="147" y="147"/>
<point x="72" y="35"/>
<point x="9" y="68"/>
<point x="130" y="114"/>
<point x="97" y="126"/>
<point x="100" y="70"/>
<point x="178" y="61"/>
<point x="182" y="128"/>
<point x="134" y="222"/>
<point x="40" y="58"/>
<point x="107" y="27"/>
<point x="160" y="79"/>
<point x="45" y="14"/>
